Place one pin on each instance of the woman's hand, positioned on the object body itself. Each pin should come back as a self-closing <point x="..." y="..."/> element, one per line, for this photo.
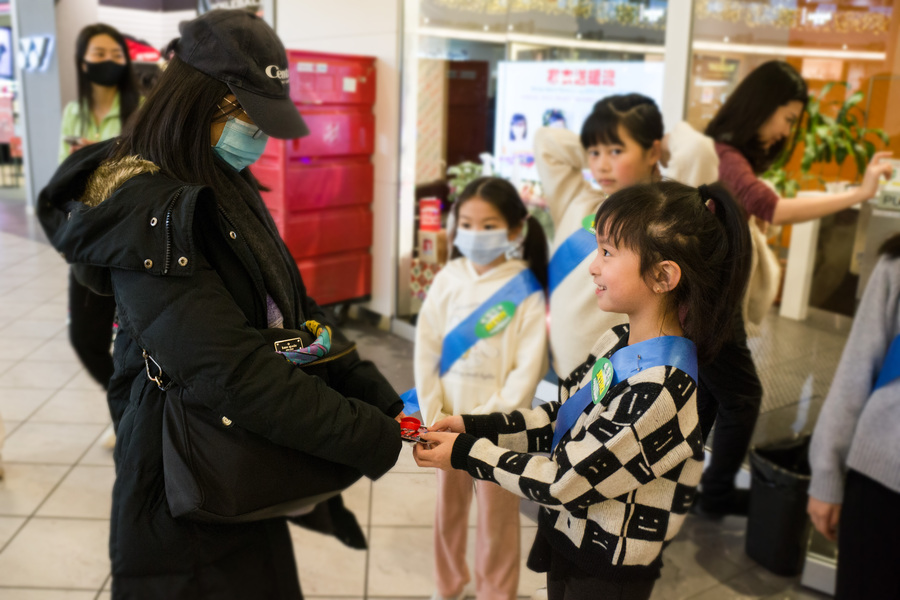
<point x="825" y="517"/>
<point x="402" y="415"/>
<point x="436" y="453"/>
<point x="454" y="424"/>
<point x="878" y="168"/>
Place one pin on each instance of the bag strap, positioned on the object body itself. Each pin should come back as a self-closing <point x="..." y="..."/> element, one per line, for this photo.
<point x="670" y="350"/>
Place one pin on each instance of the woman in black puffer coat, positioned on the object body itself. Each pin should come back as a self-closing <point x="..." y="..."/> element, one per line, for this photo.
<point x="169" y="221"/>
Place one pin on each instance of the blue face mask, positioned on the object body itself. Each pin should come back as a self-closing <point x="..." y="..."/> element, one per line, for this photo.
<point x="482" y="247"/>
<point x="241" y="144"/>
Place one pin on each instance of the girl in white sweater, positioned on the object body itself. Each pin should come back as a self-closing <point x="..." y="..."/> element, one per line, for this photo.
<point x="481" y="347"/>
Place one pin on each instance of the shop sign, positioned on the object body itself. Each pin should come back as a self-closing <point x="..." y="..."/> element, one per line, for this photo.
<point x="35" y="52"/>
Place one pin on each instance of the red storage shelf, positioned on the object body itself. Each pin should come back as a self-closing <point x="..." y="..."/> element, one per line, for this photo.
<point x="320" y="186"/>
<point x="331" y="79"/>
<point x="310" y="184"/>
<point x="320" y="232"/>
<point x="337" y="277"/>
<point x="333" y="131"/>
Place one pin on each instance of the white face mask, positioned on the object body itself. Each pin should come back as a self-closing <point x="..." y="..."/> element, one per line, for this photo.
<point x="482" y="247"/>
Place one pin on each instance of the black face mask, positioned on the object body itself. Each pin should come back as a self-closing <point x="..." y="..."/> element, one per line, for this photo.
<point x="106" y="73"/>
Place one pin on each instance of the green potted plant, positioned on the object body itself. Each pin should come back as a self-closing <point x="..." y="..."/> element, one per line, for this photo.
<point x="832" y="131"/>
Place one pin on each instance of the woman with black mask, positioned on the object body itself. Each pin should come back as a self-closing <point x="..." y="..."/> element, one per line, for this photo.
<point x="107" y="97"/>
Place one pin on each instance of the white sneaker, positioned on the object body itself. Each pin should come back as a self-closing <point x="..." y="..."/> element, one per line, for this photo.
<point x="539" y="594"/>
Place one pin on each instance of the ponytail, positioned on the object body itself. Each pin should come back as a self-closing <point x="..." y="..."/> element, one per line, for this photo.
<point x="712" y="313"/>
<point x="534" y="249"/>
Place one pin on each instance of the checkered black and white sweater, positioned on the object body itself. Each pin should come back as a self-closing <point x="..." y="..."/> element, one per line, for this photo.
<point x="618" y="486"/>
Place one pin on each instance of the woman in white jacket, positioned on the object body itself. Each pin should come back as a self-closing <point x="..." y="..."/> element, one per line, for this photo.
<point x="481" y="347"/>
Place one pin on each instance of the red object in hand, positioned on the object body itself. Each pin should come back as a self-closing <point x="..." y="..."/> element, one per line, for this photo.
<point x="410" y="429"/>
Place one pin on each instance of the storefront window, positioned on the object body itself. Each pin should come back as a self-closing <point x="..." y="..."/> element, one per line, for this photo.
<point x="845" y="52"/>
<point x="481" y="76"/>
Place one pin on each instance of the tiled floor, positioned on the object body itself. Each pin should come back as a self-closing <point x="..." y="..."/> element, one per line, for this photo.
<point x="55" y="498"/>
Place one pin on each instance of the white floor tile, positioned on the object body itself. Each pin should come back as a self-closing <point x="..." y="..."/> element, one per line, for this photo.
<point x="60" y="350"/>
<point x="50" y="443"/>
<point x="83" y="381"/>
<point x="74" y="406"/>
<point x="326" y="566"/>
<point x="39" y="374"/>
<point x="406" y="463"/>
<point x="99" y="454"/>
<point x="404" y="499"/>
<point x="19" y="404"/>
<point x="401" y="562"/>
<point x="8" y="527"/>
<point x="12" y="307"/>
<point x="24" y="487"/>
<point x="15" y="348"/>
<point x="31" y="594"/>
<point x="357" y="498"/>
<point x="6" y="365"/>
<point x="37" y="328"/>
<point x="58" y="553"/>
<point x="49" y="312"/>
<point x="86" y="493"/>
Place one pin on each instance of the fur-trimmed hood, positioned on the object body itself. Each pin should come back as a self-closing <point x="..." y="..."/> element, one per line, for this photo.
<point x="110" y="176"/>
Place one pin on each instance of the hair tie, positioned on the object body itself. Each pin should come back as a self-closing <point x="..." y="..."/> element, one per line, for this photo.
<point x="705" y="195"/>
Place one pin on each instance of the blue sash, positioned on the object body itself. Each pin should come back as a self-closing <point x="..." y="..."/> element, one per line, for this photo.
<point x="464" y="335"/>
<point x="890" y="370"/>
<point x="670" y="350"/>
<point x="569" y="255"/>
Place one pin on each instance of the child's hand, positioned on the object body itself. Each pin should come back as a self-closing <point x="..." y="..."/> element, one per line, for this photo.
<point x="454" y="424"/>
<point x="436" y="453"/>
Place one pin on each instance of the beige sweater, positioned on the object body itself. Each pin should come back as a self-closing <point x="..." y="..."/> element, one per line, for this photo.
<point x="497" y="374"/>
<point x="576" y="323"/>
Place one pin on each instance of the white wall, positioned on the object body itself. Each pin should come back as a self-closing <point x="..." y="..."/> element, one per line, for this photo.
<point x="71" y="17"/>
<point x="372" y="28"/>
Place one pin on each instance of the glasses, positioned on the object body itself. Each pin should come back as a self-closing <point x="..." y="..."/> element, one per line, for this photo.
<point x="230" y="114"/>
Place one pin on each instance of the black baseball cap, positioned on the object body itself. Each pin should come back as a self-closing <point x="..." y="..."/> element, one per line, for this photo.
<point x="239" y="49"/>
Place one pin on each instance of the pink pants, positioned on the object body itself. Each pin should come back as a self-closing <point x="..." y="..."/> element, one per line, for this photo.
<point x="496" y="545"/>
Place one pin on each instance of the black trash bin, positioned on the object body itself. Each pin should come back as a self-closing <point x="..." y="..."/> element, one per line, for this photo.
<point x="777" y="523"/>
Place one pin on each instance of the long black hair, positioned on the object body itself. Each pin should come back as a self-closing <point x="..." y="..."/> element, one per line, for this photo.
<point x="891" y="246"/>
<point x="172" y="128"/>
<point x="501" y="194"/>
<point x="704" y="232"/>
<point x="767" y="88"/>
<point x="638" y="114"/>
<point x="129" y="96"/>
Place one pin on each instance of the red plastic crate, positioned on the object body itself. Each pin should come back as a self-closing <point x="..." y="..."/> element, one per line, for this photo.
<point x="309" y="184"/>
<point x="334" y="131"/>
<point x="331" y="79"/>
<point x="337" y="277"/>
<point x="321" y="232"/>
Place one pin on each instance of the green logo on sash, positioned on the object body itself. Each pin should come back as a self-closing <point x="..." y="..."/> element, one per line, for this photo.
<point x="588" y="224"/>
<point x="495" y="319"/>
<point x="601" y="379"/>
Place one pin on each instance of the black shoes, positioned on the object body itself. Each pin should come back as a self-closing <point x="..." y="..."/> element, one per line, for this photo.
<point x="736" y="502"/>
